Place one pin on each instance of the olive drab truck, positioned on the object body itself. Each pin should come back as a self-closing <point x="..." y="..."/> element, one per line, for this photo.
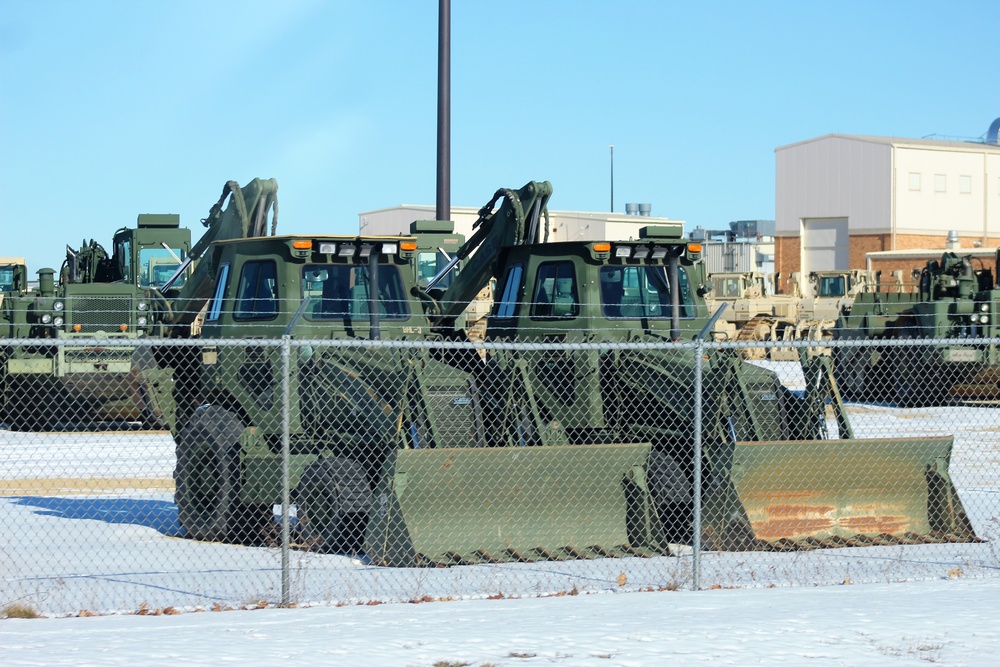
<point x="560" y="444"/>
<point x="98" y="296"/>
<point x="13" y="276"/>
<point x="954" y="300"/>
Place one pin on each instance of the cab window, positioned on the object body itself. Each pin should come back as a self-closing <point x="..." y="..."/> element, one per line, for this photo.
<point x="507" y="306"/>
<point x="633" y="292"/>
<point x="832" y="286"/>
<point x="157" y="264"/>
<point x="342" y="291"/>
<point x="728" y="288"/>
<point x="257" y="293"/>
<point x="123" y="249"/>
<point x="6" y="278"/>
<point x="555" y="293"/>
<point x="215" y="307"/>
<point x="430" y="263"/>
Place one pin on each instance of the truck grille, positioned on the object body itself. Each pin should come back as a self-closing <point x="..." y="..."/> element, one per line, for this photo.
<point x="99" y="313"/>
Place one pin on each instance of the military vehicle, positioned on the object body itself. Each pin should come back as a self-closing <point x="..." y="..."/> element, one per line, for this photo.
<point x="757" y="313"/>
<point x="954" y="300"/>
<point x="424" y="453"/>
<point x="98" y="296"/>
<point x="13" y="276"/>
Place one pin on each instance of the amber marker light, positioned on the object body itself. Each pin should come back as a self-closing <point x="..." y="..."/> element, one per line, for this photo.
<point x="408" y="245"/>
<point x="694" y="247"/>
<point x="302" y="245"/>
<point x="123" y="327"/>
<point x="77" y="327"/>
<point x="602" y="247"/>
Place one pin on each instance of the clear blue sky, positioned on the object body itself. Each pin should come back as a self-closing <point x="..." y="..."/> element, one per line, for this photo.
<point x="113" y="108"/>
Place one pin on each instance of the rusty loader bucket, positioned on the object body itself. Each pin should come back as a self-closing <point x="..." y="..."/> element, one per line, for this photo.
<point x="827" y="493"/>
<point x="511" y="504"/>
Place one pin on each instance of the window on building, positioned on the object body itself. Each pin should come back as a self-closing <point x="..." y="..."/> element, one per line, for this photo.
<point x="965" y="185"/>
<point x="915" y="181"/>
<point x="940" y="183"/>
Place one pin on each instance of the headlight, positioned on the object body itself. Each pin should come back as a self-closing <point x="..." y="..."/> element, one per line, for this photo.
<point x="142" y="305"/>
<point x="985" y="319"/>
<point x="58" y="321"/>
<point x="141" y="321"/>
<point x="984" y="307"/>
<point x="46" y="318"/>
<point x="58" y="306"/>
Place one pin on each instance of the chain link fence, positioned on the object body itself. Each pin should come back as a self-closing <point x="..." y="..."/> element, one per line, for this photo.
<point x="153" y="474"/>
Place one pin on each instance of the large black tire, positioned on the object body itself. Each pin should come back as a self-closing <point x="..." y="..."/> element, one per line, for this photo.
<point x="916" y="383"/>
<point x="673" y="496"/>
<point x="33" y="404"/>
<point x="852" y="369"/>
<point x="207" y="479"/>
<point x="333" y="501"/>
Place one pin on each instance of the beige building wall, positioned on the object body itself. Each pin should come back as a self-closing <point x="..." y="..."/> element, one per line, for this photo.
<point x="938" y="191"/>
<point x="563" y="225"/>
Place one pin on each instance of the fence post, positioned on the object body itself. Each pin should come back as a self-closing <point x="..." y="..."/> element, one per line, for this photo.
<point x="286" y="356"/>
<point x="696" y="480"/>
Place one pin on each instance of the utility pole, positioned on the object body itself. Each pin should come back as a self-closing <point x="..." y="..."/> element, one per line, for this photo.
<point x="444" y="112"/>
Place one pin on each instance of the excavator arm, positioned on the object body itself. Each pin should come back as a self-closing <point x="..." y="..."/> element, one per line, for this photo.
<point x="246" y="216"/>
<point x="521" y="218"/>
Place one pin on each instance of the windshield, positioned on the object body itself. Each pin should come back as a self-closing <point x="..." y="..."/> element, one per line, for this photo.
<point x="341" y="292"/>
<point x="728" y="288"/>
<point x="429" y="263"/>
<point x="156" y="265"/>
<point x="832" y="286"/>
<point x="6" y="278"/>
<point x="641" y="292"/>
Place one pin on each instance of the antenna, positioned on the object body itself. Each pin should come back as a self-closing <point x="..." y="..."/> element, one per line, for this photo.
<point x="612" y="147"/>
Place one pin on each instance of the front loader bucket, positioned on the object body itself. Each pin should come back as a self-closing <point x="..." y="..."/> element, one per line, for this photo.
<point x="511" y="504"/>
<point x="828" y="493"/>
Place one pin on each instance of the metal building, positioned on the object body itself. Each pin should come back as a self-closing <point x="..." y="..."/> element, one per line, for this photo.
<point x="839" y="197"/>
<point x="564" y="225"/>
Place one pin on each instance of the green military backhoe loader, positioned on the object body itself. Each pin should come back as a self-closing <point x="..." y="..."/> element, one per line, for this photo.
<point x="573" y="437"/>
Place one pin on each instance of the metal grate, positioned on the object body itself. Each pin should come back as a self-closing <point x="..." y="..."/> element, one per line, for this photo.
<point x="99" y="313"/>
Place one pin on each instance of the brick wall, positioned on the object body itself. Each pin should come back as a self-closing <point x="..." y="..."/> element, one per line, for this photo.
<point x="788" y="258"/>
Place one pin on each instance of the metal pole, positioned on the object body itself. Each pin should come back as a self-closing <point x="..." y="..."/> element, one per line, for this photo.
<point x="286" y="577"/>
<point x="696" y="480"/>
<point x="444" y="112"/>
<point x="612" y="147"/>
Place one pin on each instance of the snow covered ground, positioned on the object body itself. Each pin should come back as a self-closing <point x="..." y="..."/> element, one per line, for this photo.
<point x="941" y="622"/>
<point x="88" y="524"/>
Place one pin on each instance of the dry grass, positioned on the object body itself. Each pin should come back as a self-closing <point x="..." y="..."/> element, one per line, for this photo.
<point x="19" y="610"/>
<point x="81" y="485"/>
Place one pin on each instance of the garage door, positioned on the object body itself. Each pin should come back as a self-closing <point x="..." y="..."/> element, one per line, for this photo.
<point x="825" y="245"/>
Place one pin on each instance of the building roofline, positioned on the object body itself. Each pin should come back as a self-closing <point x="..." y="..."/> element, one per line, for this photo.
<point x="902" y="142"/>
